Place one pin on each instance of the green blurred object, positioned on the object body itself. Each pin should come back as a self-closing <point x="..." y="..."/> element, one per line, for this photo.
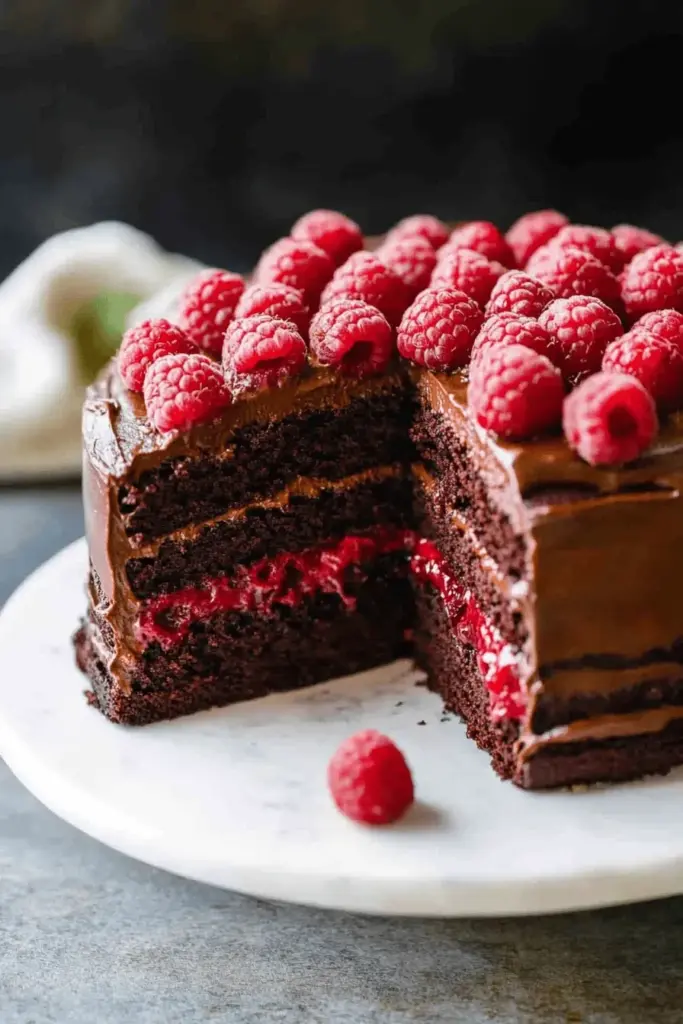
<point x="97" y="328"/>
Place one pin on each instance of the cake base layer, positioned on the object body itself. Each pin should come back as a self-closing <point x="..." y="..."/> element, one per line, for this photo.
<point x="234" y="657"/>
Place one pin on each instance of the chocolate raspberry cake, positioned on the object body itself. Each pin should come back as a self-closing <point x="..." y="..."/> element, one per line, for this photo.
<point x="459" y="446"/>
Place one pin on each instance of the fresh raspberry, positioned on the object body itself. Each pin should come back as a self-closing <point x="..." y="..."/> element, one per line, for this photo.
<point x="412" y="258"/>
<point x="631" y="240"/>
<point x="517" y="292"/>
<point x="181" y="390"/>
<point x="580" y="328"/>
<point x="437" y="331"/>
<point x="480" y="236"/>
<point x="596" y="241"/>
<point x="515" y="392"/>
<point x="568" y="271"/>
<point x="365" y="277"/>
<point x="208" y="306"/>
<point x="653" y="280"/>
<point x="656" y="363"/>
<point x="666" y="324"/>
<point x="469" y="272"/>
<point x="532" y="231"/>
<point x="275" y="300"/>
<point x="370" y="780"/>
<point x="423" y="224"/>
<point x="512" y="329"/>
<point x="334" y="233"/>
<point x="609" y="419"/>
<point x="261" y="352"/>
<point x="353" y="336"/>
<point x="143" y="344"/>
<point x="299" y="264"/>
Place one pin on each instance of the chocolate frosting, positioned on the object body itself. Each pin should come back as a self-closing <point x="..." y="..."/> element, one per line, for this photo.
<point x="605" y="546"/>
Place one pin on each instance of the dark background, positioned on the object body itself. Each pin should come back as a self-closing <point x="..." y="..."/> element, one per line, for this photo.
<point x="214" y="123"/>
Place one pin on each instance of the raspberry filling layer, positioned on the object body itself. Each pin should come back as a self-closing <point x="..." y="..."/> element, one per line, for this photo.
<point x="287" y="579"/>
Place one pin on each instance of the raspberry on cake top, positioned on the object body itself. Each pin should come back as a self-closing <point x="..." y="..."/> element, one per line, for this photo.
<point x="464" y="445"/>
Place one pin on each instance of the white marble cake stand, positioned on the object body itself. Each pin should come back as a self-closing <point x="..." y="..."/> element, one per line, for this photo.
<point x="237" y="797"/>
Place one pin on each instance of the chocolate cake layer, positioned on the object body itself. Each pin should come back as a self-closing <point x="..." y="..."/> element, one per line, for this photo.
<point x="236" y="657"/>
<point x="294" y="521"/>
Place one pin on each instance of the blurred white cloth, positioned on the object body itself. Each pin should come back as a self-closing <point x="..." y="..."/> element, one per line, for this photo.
<point x="41" y="369"/>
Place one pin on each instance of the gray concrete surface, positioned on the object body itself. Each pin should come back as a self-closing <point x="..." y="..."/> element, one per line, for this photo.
<point x="90" y="937"/>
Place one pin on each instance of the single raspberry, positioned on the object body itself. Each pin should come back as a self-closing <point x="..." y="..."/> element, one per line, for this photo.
<point x="181" y="390"/>
<point x="469" y="272"/>
<point x="515" y="392"/>
<point x="517" y="292"/>
<point x="437" y="331"/>
<point x="412" y="258"/>
<point x="609" y="418"/>
<point x="208" y="306"/>
<point x="275" y="300"/>
<point x="299" y="264"/>
<point x="352" y="336"/>
<point x="580" y="328"/>
<point x="512" y="329"/>
<point x="261" y="352"/>
<point x="631" y="240"/>
<point x="334" y="233"/>
<point x="370" y="780"/>
<point x="365" y="277"/>
<point x="423" y="224"/>
<point x="568" y="271"/>
<point x="596" y="241"/>
<point x="480" y="236"/>
<point x="143" y="344"/>
<point x="532" y="231"/>
<point x="656" y="363"/>
<point x="653" y="280"/>
<point x="666" y="324"/>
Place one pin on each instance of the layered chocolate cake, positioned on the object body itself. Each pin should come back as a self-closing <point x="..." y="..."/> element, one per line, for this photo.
<point x="423" y="451"/>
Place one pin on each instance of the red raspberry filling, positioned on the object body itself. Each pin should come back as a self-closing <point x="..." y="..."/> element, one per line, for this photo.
<point x="483" y="237"/>
<point x="352" y="336"/>
<point x="289" y="578"/>
<point x="656" y="363"/>
<point x="275" y="300"/>
<point x="182" y="390"/>
<point x="422" y="224"/>
<point x="437" y="331"/>
<point x="580" y="328"/>
<point x="512" y="329"/>
<point x="366" y="278"/>
<point x="517" y="292"/>
<point x="370" y="780"/>
<point x="208" y="306"/>
<point x="609" y="419"/>
<point x="148" y="341"/>
<point x="532" y="231"/>
<point x="261" y="352"/>
<point x="515" y="392"/>
<point x="469" y="272"/>
<point x="333" y="232"/>
<point x="412" y="258"/>
<point x="298" y="264"/>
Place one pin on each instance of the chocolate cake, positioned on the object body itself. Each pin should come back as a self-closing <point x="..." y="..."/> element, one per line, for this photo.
<point x="337" y="516"/>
